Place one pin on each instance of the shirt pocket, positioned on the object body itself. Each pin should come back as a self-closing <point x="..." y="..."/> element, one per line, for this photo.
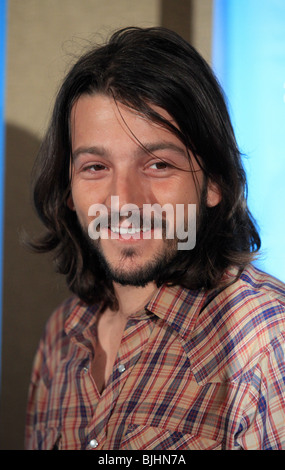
<point x="140" y="437"/>
<point x="45" y="439"/>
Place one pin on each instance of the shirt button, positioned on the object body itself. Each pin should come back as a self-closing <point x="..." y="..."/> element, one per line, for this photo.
<point x="121" y="368"/>
<point x="93" y="443"/>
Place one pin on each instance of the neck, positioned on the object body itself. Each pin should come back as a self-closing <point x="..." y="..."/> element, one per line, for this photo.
<point x="131" y="299"/>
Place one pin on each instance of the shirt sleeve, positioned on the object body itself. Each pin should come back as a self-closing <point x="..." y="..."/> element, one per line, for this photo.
<point x="45" y="361"/>
<point x="263" y="423"/>
<point x="33" y="395"/>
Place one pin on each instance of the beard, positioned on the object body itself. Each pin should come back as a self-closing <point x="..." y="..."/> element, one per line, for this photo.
<point x="167" y="259"/>
<point x="139" y="276"/>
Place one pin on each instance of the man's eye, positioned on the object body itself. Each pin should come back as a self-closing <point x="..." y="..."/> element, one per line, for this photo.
<point x="94" y="167"/>
<point x="159" y="166"/>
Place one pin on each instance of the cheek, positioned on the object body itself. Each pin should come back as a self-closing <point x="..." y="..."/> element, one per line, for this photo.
<point x="185" y="191"/>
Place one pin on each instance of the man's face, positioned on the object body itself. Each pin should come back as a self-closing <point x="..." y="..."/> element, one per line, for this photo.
<point x="118" y="152"/>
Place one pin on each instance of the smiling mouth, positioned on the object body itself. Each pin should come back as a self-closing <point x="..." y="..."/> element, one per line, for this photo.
<point x="128" y="230"/>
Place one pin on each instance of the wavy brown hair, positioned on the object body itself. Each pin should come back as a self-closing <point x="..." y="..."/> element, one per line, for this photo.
<point x="140" y="68"/>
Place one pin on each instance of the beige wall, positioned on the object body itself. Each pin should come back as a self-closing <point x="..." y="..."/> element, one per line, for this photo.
<point x="43" y="38"/>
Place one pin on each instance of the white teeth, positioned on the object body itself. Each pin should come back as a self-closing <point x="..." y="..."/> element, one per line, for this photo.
<point x="126" y="230"/>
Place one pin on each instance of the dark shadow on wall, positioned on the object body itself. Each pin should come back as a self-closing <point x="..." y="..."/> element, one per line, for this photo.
<point x="177" y="16"/>
<point x="31" y="289"/>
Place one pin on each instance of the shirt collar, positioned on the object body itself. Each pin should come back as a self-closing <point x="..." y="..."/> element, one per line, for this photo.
<point x="80" y="323"/>
<point x="177" y="306"/>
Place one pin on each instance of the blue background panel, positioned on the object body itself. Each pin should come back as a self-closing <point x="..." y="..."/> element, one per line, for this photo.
<point x="249" y="60"/>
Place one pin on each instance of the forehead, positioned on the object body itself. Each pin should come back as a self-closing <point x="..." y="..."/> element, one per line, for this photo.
<point x="101" y="112"/>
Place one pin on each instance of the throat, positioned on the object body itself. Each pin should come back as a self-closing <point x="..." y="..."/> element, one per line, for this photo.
<point x="132" y="299"/>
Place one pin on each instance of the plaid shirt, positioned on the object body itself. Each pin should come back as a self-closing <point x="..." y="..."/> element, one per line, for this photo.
<point x="195" y="370"/>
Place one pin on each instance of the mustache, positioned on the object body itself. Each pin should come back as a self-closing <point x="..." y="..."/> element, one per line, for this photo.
<point x="134" y="220"/>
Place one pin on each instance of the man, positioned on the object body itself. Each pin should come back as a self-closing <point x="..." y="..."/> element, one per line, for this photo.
<point x="172" y="340"/>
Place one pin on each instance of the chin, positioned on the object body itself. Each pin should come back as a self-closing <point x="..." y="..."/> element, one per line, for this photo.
<point x="130" y="272"/>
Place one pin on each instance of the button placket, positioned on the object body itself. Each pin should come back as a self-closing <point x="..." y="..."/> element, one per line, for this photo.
<point x="98" y="427"/>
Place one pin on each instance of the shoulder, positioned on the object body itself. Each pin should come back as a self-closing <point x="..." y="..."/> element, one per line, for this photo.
<point x="55" y="338"/>
<point x="253" y="293"/>
<point x="262" y="283"/>
<point x="238" y="325"/>
<point x="69" y="320"/>
<point x="58" y="318"/>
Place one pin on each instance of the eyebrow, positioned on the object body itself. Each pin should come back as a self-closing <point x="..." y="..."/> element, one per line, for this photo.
<point x="154" y="147"/>
<point x="93" y="150"/>
<point x="142" y="149"/>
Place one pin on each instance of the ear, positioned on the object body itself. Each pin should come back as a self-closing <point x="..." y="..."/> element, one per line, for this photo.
<point x="214" y="195"/>
<point x="70" y="203"/>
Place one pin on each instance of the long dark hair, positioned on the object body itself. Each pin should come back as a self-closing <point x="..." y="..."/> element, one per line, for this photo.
<point x="144" y="67"/>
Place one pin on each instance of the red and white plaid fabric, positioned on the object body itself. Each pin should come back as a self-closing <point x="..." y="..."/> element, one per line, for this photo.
<point x="195" y="370"/>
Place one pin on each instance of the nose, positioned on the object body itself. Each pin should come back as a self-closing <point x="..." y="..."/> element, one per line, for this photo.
<point x="128" y="187"/>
